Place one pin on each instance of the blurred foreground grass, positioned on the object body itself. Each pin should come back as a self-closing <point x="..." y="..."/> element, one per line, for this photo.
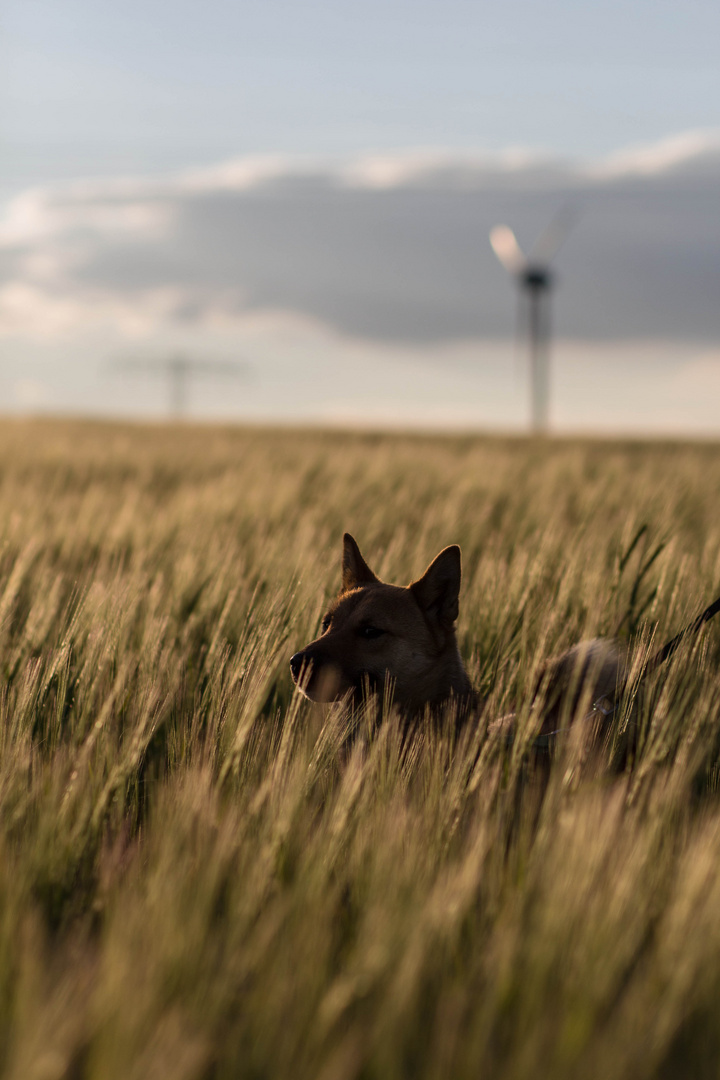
<point x="197" y="880"/>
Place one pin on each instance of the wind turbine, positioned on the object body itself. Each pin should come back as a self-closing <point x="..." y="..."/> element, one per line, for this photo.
<point x="535" y="280"/>
<point x="178" y="369"/>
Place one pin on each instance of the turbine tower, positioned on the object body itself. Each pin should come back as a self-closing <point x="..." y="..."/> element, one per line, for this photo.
<point x="535" y="280"/>
<point x="178" y="369"/>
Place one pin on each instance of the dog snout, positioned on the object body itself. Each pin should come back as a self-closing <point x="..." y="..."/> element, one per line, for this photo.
<point x="297" y="662"/>
<point x="316" y="676"/>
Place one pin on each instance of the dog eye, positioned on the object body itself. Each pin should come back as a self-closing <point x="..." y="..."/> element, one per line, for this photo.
<point x="370" y="633"/>
<point x="325" y="625"/>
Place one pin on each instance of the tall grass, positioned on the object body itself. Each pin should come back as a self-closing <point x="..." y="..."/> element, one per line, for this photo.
<point x="201" y="877"/>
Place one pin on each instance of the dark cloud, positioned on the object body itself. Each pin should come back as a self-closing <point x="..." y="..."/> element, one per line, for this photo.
<point x="412" y="262"/>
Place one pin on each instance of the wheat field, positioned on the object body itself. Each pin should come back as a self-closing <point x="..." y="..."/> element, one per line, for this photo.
<point x="201" y="877"/>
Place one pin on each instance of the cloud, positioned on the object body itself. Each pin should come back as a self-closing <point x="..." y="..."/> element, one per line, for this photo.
<point x="49" y="313"/>
<point x="100" y="210"/>
<point x="386" y="248"/>
<point x="686" y="150"/>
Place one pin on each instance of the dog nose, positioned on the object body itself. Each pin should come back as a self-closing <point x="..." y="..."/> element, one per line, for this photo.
<point x="296" y="664"/>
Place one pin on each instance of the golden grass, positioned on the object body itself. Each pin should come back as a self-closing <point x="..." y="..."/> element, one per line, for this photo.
<point x="197" y="880"/>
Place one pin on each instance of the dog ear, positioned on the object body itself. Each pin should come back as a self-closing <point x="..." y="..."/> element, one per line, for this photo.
<point x="438" y="590"/>
<point x="355" y="571"/>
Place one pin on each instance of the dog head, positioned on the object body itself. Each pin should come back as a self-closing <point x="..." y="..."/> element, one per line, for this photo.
<point x="374" y="634"/>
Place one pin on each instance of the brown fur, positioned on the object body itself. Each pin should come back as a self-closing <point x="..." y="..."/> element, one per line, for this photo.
<point x="380" y="634"/>
<point x="584" y="680"/>
<point x="402" y="640"/>
<point x="390" y="637"/>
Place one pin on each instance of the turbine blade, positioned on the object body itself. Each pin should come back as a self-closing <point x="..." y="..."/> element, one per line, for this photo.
<point x="135" y="364"/>
<point x="554" y="236"/>
<point x="507" y="249"/>
<point x="237" y="368"/>
<point x="180" y="362"/>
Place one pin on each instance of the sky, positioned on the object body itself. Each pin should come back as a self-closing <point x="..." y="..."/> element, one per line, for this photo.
<point x="308" y="188"/>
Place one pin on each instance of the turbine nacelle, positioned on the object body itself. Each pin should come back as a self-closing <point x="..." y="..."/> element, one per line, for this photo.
<point x="537" y="277"/>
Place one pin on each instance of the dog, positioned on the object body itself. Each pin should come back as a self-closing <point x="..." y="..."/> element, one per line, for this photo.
<point x="401" y="640"/>
<point x="389" y="636"/>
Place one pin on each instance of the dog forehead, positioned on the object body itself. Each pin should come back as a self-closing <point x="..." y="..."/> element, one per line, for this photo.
<point x="390" y="604"/>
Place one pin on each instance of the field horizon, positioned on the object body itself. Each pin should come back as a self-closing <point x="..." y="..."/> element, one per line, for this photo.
<point x="203" y="876"/>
